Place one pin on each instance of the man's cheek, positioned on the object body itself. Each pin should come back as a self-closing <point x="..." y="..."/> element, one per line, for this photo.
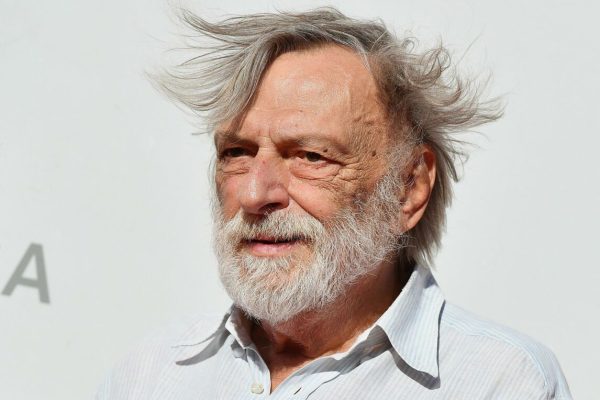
<point x="226" y="195"/>
<point x="317" y="198"/>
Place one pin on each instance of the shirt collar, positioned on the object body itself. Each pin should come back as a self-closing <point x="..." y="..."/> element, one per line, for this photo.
<point x="199" y="335"/>
<point x="411" y="324"/>
<point x="239" y="327"/>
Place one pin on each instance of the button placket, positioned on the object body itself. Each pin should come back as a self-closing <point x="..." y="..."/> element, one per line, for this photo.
<point x="260" y="373"/>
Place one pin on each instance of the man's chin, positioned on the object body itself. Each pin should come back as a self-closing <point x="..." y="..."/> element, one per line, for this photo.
<point x="271" y="273"/>
<point x="271" y="289"/>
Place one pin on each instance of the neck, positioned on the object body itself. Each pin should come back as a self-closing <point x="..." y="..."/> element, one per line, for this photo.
<point x="316" y="333"/>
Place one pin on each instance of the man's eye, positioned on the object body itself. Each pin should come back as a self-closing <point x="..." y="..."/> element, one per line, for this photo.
<point x="312" y="156"/>
<point x="233" y="152"/>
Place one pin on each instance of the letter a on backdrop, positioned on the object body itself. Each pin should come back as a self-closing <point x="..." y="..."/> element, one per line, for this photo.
<point x="40" y="283"/>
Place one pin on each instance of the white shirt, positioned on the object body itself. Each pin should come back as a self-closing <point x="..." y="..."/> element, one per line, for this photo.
<point x="420" y="348"/>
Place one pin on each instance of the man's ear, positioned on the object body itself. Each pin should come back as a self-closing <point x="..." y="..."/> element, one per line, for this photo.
<point x="419" y="180"/>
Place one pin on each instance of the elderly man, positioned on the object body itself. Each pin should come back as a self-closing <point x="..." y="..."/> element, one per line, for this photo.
<point x="335" y="158"/>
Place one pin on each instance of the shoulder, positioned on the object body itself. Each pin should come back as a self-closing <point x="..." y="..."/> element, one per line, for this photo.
<point x="135" y="375"/>
<point x="510" y="354"/>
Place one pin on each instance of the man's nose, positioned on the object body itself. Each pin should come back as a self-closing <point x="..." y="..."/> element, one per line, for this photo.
<point x="264" y="188"/>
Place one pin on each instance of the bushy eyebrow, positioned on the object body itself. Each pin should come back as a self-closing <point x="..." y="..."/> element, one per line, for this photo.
<point x="231" y="138"/>
<point x="323" y="143"/>
<point x="300" y="140"/>
<point x="221" y="136"/>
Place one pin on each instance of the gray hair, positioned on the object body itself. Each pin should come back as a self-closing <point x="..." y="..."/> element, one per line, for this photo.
<point x="426" y="100"/>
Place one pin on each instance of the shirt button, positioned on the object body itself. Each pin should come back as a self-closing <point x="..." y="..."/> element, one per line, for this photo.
<point x="257" y="388"/>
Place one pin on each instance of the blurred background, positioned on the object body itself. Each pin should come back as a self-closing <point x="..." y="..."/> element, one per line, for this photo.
<point x="104" y="188"/>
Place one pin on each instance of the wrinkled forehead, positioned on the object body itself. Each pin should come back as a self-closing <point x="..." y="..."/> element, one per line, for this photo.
<point x="316" y="77"/>
<point x="327" y="88"/>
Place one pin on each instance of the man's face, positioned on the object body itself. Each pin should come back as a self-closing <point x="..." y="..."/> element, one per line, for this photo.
<point x="298" y="169"/>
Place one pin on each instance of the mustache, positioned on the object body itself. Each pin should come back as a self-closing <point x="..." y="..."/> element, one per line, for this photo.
<point x="277" y="226"/>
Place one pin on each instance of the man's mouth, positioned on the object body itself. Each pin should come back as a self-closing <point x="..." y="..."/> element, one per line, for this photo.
<point x="264" y="246"/>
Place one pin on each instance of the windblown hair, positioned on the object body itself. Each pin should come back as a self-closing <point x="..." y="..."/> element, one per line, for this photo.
<point x="427" y="102"/>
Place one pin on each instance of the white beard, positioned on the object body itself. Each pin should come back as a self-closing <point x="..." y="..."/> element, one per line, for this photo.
<point x="275" y="289"/>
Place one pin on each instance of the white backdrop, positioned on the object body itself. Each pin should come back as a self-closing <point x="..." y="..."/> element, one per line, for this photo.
<point x="105" y="176"/>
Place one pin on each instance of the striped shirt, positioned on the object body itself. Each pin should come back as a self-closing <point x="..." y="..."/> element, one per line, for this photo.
<point x="420" y="348"/>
